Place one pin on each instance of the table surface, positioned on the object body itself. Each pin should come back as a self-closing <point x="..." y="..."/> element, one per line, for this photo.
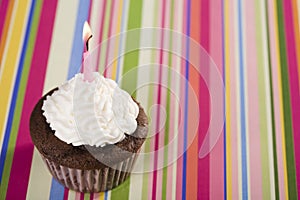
<point x="219" y="81"/>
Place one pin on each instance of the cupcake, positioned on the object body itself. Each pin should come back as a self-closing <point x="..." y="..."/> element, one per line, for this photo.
<point x="89" y="134"/>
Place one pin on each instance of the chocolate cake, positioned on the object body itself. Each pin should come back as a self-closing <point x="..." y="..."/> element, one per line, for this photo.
<point x="80" y="167"/>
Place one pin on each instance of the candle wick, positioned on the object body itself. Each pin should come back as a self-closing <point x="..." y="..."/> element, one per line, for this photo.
<point x="87" y="42"/>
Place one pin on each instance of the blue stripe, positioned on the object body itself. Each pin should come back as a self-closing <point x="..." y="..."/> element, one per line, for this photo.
<point x="186" y="100"/>
<point x="121" y="39"/>
<point x="15" y="91"/>
<point x="106" y="195"/>
<point x="57" y="190"/>
<point x="77" y="49"/>
<point x="242" y="106"/>
<point x="224" y="103"/>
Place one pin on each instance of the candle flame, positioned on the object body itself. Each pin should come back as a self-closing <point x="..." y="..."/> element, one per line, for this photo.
<point x="86" y="33"/>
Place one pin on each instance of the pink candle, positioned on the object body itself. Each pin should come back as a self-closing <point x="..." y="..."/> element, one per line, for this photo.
<point x="88" y="69"/>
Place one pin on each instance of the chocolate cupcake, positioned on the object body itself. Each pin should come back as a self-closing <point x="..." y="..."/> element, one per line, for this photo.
<point x="87" y="161"/>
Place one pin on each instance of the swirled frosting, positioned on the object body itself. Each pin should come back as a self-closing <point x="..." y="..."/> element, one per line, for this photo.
<point x="90" y="113"/>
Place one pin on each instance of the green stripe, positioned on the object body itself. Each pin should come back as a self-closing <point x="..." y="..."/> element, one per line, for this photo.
<point x="130" y="62"/>
<point x="272" y="106"/>
<point x="20" y="100"/>
<point x="106" y="26"/>
<point x="263" y="119"/>
<point x="87" y="196"/>
<point x="167" y="127"/>
<point x="292" y="186"/>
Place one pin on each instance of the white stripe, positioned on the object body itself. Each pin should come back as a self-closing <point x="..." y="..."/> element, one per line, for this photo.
<point x="71" y="195"/>
<point x="268" y="100"/>
<point x="59" y="57"/>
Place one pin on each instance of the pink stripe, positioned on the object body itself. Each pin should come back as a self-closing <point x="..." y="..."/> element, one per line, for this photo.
<point x="157" y="131"/>
<point x="113" y="44"/>
<point x="253" y="107"/>
<point x="233" y="102"/>
<point x="90" y="10"/>
<point x="216" y="167"/>
<point x="294" y="80"/>
<point x="3" y="11"/>
<point x="108" y="51"/>
<point x="24" y="148"/>
<point x="204" y="163"/>
<point x="171" y="119"/>
<point x="178" y="162"/>
<point x="181" y="111"/>
<point x="99" y="39"/>
<point x="276" y="97"/>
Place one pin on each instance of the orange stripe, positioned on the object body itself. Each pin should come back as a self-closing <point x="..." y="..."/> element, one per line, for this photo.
<point x="5" y="27"/>
<point x="297" y="34"/>
<point x="194" y="78"/>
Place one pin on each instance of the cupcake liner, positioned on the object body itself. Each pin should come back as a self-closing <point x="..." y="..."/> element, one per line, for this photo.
<point x="94" y="180"/>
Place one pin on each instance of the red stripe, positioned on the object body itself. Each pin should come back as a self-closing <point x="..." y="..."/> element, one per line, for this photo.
<point x="203" y="164"/>
<point x="20" y="170"/>
<point x="158" y="102"/>
<point x="3" y="11"/>
<point x="66" y="193"/>
<point x="294" y="80"/>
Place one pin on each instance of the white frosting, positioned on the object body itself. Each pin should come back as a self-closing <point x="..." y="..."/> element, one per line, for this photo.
<point x="95" y="113"/>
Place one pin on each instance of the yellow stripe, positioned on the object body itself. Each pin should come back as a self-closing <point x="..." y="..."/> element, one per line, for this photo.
<point x="117" y="45"/>
<point x="10" y="64"/>
<point x="280" y="101"/>
<point x="227" y="96"/>
<point x="101" y="195"/>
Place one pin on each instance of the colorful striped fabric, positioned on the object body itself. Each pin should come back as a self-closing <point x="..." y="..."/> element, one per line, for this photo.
<point x="255" y="46"/>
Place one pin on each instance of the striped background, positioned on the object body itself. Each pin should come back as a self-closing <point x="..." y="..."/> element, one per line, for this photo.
<point x="256" y="47"/>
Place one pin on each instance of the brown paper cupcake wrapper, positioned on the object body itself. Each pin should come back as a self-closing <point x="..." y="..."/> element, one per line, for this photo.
<point x="95" y="180"/>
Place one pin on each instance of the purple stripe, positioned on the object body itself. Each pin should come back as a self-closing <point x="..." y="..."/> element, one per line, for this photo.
<point x="20" y="170"/>
<point x="203" y="164"/>
<point x="3" y="11"/>
<point x="294" y="80"/>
